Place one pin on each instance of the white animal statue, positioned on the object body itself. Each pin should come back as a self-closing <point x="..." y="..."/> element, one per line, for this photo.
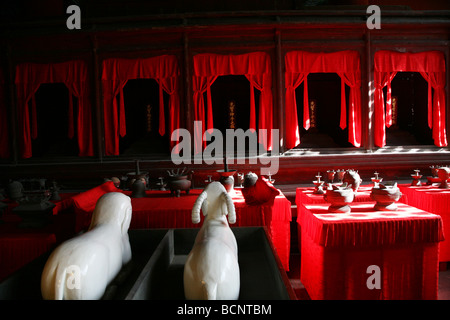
<point x="82" y="267"/>
<point x="211" y="271"/>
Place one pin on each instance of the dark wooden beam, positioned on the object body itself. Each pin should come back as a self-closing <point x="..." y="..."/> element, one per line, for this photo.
<point x="12" y="110"/>
<point x="295" y="169"/>
<point x="187" y="83"/>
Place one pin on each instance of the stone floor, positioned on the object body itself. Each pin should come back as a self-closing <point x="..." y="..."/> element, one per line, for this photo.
<point x="444" y="285"/>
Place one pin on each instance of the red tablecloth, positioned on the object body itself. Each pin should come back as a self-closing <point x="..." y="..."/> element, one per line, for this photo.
<point x="64" y="203"/>
<point x="306" y="195"/>
<point x="20" y="246"/>
<point x="435" y="200"/>
<point x="337" y="249"/>
<point x="159" y="209"/>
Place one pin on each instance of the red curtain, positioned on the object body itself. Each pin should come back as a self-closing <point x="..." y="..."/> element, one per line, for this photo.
<point x="4" y="137"/>
<point x="116" y="72"/>
<point x="256" y="67"/>
<point x="347" y="65"/>
<point x="29" y="76"/>
<point x="431" y="65"/>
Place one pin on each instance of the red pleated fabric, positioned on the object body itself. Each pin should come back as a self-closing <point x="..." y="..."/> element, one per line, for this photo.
<point x="115" y="74"/>
<point x="338" y="249"/>
<point x="29" y="76"/>
<point x="431" y="65"/>
<point x="256" y="67"/>
<point x="301" y="63"/>
<point x="433" y="199"/>
<point x="159" y="209"/>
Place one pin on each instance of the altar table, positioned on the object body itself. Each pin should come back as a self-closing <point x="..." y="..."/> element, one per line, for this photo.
<point x="338" y="249"/>
<point x="19" y="247"/>
<point x="160" y="209"/>
<point x="434" y="200"/>
<point x="306" y="195"/>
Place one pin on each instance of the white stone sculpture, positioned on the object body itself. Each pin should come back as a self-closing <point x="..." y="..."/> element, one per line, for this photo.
<point x="211" y="271"/>
<point x="82" y="267"/>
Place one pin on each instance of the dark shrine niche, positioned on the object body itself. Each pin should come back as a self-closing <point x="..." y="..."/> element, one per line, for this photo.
<point x="230" y="95"/>
<point x="52" y="113"/>
<point x="324" y="93"/>
<point x="231" y="89"/>
<point x="409" y="92"/>
<point x="141" y="100"/>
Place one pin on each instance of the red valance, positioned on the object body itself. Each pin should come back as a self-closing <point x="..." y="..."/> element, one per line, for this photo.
<point x="347" y="65"/>
<point x="256" y="67"/>
<point x="431" y="65"/>
<point x="29" y="76"/>
<point x="116" y="72"/>
<point x="4" y="137"/>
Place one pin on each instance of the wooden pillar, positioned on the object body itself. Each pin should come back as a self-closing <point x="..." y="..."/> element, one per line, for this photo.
<point x="12" y="110"/>
<point x="98" y="102"/>
<point x="280" y="91"/>
<point x="368" y="113"/>
<point x="447" y="95"/>
<point x="187" y="85"/>
<point x="189" y="120"/>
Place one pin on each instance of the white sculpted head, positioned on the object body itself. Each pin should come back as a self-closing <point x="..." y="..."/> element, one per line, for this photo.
<point x="214" y="202"/>
<point x="113" y="207"/>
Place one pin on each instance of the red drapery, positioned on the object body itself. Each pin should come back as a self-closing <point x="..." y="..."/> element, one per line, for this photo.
<point x="4" y="137"/>
<point x="256" y="67"/>
<point x="116" y="72"/>
<point x="433" y="199"/>
<point x="347" y="65"/>
<point x="29" y="76"/>
<point x="431" y="65"/>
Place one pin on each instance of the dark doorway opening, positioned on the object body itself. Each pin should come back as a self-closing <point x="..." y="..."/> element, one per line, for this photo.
<point x="227" y="91"/>
<point x="409" y="92"/>
<point x="324" y="93"/>
<point x="230" y="97"/>
<point x="52" y="113"/>
<point x="141" y="99"/>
